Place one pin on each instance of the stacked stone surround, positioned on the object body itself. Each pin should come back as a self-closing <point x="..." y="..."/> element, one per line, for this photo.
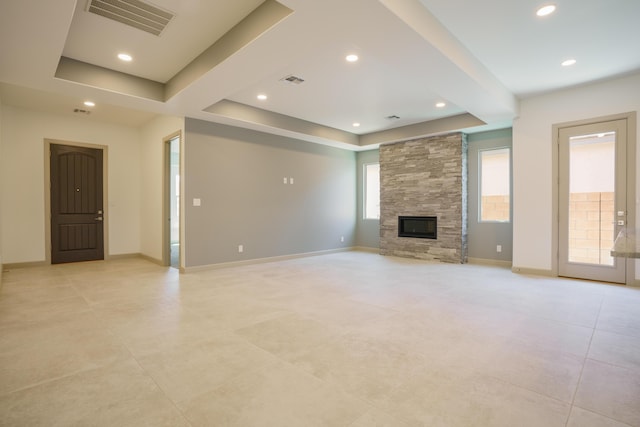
<point x="425" y="177"/>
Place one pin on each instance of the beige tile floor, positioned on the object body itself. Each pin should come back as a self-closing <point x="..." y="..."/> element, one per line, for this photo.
<point x="348" y="339"/>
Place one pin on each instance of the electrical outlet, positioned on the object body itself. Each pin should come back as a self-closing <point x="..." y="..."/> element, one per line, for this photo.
<point x="240" y="248"/>
<point x="499" y="248"/>
<point x="285" y="180"/>
<point x="342" y="238"/>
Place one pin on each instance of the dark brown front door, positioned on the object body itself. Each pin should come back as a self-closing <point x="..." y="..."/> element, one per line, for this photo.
<point x="77" y="231"/>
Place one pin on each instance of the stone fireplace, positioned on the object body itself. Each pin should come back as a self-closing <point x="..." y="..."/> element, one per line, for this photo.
<point x="425" y="177"/>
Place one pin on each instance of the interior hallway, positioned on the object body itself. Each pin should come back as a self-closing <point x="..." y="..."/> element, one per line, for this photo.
<point x="347" y="339"/>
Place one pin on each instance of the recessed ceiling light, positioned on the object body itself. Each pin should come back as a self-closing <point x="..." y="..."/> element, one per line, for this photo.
<point x="352" y="58"/>
<point x="89" y="103"/>
<point x="356" y="124"/>
<point x="262" y="97"/>
<point x="546" y="10"/>
<point x="441" y="105"/>
<point x="568" y="62"/>
<point x="125" y="57"/>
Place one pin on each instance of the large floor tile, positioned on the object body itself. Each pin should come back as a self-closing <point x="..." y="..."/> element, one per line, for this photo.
<point x="35" y="352"/>
<point x="278" y="395"/>
<point x="377" y="418"/>
<point x="582" y="418"/>
<point x="548" y="372"/>
<point x="121" y="394"/>
<point x="610" y="391"/>
<point x="616" y="349"/>
<point x="193" y="369"/>
<point x="345" y="339"/>
<point x="447" y="400"/>
<point x="289" y="336"/>
<point x="363" y="366"/>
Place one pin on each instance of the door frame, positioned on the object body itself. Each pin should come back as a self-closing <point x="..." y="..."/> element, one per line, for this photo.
<point x="47" y="192"/>
<point x="166" y="201"/>
<point x="630" y="118"/>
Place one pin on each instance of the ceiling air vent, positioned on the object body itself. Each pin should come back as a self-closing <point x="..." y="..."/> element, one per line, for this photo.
<point x="292" y="79"/>
<point x="393" y="117"/>
<point x="134" y="13"/>
<point x="81" y="111"/>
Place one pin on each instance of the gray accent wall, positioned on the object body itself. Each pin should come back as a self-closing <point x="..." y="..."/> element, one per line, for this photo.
<point x="484" y="237"/>
<point x="367" y="230"/>
<point x="238" y="175"/>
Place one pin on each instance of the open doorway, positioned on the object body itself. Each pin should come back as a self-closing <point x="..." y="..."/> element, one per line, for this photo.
<point x="172" y="201"/>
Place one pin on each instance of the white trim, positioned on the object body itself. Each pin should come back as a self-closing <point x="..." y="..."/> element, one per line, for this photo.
<point x="533" y="271"/>
<point x="492" y="262"/>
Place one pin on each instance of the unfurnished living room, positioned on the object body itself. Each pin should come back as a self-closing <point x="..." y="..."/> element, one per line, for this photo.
<point x="337" y="213"/>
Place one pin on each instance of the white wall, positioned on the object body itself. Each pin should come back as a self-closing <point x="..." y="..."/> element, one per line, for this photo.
<point x="532" y="158"/>
<point x="22" y="171"/>
<point x="152" y="169"/>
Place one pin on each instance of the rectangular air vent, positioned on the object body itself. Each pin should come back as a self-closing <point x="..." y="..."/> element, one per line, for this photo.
<point x="292" y="79"/>
<point x="134" y="13"/>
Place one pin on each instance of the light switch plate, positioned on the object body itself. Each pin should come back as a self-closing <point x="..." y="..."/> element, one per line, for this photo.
<point x="196" y="202"/>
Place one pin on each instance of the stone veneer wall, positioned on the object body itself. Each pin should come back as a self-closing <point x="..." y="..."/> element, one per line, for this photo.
<point x="425" y="177"/>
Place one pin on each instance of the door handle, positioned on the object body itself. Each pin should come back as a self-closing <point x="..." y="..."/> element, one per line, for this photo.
<point x="98" y="218"/>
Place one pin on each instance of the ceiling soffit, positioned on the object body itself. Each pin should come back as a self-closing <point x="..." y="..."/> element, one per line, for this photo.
<point x="260" y="20"/>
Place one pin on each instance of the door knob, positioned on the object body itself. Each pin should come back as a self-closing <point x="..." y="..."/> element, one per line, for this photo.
<point x="98" y="218"/>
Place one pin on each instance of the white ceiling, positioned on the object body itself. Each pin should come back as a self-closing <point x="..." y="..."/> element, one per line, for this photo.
<point x="478" y="57"/>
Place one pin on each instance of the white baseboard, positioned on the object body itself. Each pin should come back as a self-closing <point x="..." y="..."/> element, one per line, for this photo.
<point x="492" y="262"/>
<point x="533" y="271"/>
<point x="366" y="249"/>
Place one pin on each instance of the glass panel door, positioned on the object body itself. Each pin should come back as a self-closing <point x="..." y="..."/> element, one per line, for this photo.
<point x="592" y="167"/>
<point x="592" y="162"/>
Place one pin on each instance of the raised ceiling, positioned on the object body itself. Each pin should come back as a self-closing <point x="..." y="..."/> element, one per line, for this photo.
<point x="215" y="56"/>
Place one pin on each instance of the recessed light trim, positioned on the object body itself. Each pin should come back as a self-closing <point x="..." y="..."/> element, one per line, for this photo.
<point x="546" y="10"/>
<point x="441" y="105"/>
<point x="262" y="97"/>
<point x="356" y="124"/>
<point x="569" y="62"/>
<point x="125" y="57"/>
<point x="89" y="103"/>
<point x="352" y="58"/>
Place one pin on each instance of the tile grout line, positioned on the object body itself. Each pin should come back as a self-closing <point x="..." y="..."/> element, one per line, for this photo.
<point x="584" y="362"/>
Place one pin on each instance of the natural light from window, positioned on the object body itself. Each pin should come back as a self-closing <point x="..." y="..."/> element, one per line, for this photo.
<point x="495" y="185"/>
<point x="372" y="191"/>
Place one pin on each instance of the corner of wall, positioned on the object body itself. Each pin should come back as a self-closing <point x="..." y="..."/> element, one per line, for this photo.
<point x="1" y="194"/>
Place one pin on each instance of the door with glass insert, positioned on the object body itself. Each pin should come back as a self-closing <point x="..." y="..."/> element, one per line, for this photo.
<point x="592" y="200"/>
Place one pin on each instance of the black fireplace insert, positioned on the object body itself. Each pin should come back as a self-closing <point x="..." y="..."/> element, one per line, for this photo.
<point x="422" y="227"/>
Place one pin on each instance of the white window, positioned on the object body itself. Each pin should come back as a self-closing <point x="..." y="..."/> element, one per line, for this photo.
<point x="372" y="191"/>
<point x="495" y="185"/>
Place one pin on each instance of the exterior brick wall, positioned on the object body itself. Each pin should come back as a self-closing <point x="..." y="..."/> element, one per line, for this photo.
<point x="495" y="208"/>
<point x="591" y="228"/>
<point x="425" y="177"/>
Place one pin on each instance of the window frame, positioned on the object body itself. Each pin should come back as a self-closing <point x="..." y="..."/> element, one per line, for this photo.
<point x="365" y="191"/>
<point x="510" y="181"/>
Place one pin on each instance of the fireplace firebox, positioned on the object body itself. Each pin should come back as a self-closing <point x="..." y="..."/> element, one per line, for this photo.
<point x="422" y="227"/>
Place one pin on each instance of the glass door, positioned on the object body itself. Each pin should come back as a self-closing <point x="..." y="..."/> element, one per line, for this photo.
<point x="592" y="200"/>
